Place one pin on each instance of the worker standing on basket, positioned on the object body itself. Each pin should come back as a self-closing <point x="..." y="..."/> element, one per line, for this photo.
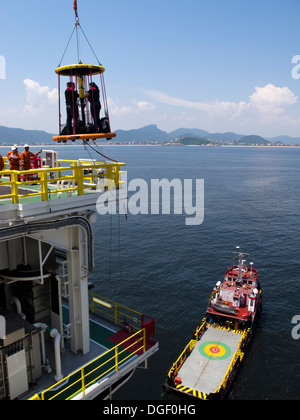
<point x="25" y="160"/>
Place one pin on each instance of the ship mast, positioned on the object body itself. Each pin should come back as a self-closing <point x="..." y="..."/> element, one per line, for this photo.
<point x="240" y="255"/>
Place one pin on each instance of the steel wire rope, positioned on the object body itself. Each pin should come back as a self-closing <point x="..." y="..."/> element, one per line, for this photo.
<point x="119" y="232"/>
<point x="119" y="243"/>
<point x="89" y="44"/>
<point x="106" y="157"/>
<point x="67" y="47"/>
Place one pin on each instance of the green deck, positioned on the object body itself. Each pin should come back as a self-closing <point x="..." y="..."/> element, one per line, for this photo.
<point x="98" y="367"/>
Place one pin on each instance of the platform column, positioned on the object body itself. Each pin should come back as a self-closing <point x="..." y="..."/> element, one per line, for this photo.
<point x="78" y="292"/>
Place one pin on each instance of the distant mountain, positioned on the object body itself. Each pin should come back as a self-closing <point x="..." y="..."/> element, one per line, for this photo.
<point x="148" y="134"/>
<point x="227" y="137"/>
<point x="251" y="140"/>
<point x="186" y="132"/>
<point x="20" y="136"/>
<point x="285" y="139"/>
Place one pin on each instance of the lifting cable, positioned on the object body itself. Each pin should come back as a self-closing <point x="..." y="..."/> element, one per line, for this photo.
<point x="77" y="25"/>
<point x="97" y="151"/>
<point x="66" y="47"/>
<point x="119" y="249"/>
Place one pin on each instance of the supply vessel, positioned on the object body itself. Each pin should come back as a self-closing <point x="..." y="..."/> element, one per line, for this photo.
<point x="59" y="339"/>
<point x="209" y="363"/>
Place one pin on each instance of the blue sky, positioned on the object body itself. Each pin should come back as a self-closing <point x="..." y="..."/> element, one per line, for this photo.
<point x="211" y="64"/>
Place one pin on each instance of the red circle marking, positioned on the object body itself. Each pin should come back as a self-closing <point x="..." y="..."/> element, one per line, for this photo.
<point x="215" y="350"/>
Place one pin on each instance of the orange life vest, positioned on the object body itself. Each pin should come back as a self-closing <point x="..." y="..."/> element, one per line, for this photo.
<point x="14" y="161"/>
<point x="1" y="163"/>
<point x="25" y="159"/>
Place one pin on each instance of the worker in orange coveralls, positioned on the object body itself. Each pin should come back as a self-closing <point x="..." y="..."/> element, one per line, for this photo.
<point x="25" y="160"/>
<point x="14" y="158"/>
<point x="1" y="164"/>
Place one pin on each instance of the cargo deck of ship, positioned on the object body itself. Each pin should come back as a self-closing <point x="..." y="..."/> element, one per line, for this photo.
<point x="205" y="368"/>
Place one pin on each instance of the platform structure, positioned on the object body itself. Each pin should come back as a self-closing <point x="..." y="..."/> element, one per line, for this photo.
<point x="61" y="340"/>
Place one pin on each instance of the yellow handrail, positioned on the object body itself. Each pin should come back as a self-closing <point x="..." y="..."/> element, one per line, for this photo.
<point x="117" y="355"/>
<point x="113" y="310"/>
<point x="237" y="354"/>
<point x="74" y="172"/>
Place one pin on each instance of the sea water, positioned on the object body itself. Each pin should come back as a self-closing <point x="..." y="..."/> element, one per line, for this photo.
<point x="159" y="266"/>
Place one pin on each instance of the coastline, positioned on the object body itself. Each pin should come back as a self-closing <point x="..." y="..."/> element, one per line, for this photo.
<point x="154" y="145"/>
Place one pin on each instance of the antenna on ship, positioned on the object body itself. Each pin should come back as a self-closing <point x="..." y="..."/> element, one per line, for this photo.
<point x="240" y="257"/>
<point x="84" y="98"/>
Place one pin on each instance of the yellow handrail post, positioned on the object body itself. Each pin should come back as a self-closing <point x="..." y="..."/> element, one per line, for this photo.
<point x="78" y="174"/>
<point x="14" y="186"/>
<point x="44" y="186"/>
<point x="109" y="175"/>
<point x="82" y="381"/>
<point x="117" y="176"/>
<point x="59" y="173"/>
<point x="93" y="305"/>
<point x="116" y="359"/>
<point x="116" y="313"/>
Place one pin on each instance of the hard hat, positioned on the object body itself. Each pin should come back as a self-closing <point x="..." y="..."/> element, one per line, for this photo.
<point x="25" y="145"/>
<point x="13" y="148"/>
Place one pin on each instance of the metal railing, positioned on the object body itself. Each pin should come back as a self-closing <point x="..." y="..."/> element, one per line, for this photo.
<point x="110" y="361"/>
<point x="78" y="176"/>
<point x="238" y="354"/>
<point x="187" y="350"/>
<point x="78" y="382"/>
<point x="121" y="315"/>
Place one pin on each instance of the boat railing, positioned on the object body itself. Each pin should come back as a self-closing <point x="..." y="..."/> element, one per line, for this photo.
<point x="238" y="354"/>
<point x="69" y="176"/>
<point x="187" y="350"/>
<point x="109" y="362"/>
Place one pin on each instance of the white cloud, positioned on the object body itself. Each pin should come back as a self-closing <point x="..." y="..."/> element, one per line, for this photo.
<point x="273" y="95"/>
<point x="39" y="97"/>
<point x="169" y="100"/>
<point x="144" y="106"/>
<point x="135" y="108"/>
<point x="265" y="107"/>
